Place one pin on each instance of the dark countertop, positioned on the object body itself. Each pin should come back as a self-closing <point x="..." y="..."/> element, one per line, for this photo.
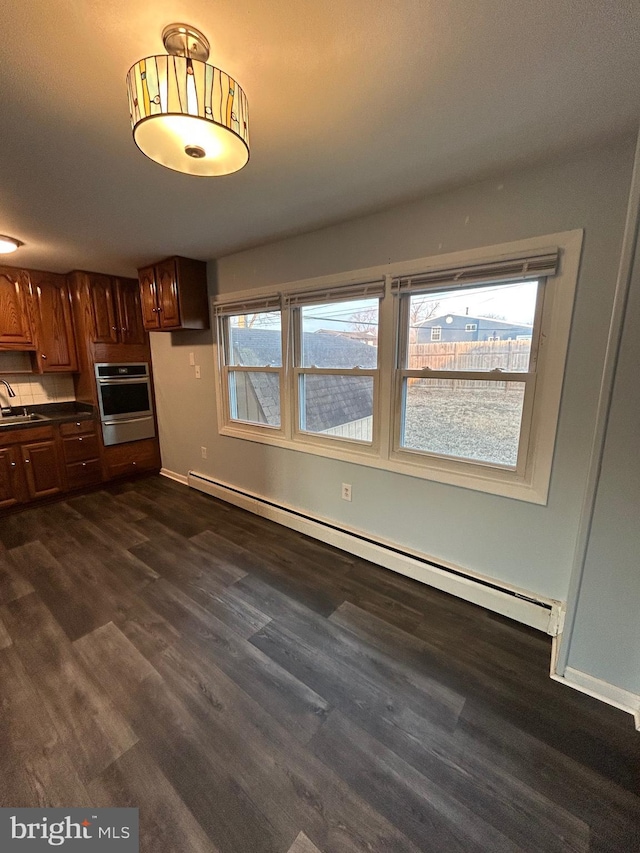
<point x="54" y="413"/>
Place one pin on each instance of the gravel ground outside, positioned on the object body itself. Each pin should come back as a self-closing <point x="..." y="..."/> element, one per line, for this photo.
<point x="481" y="424"/>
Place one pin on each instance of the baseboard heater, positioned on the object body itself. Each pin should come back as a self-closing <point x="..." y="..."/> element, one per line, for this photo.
<point x="542" y="613"/>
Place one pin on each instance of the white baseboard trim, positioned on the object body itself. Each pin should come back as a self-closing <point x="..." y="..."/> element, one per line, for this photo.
<point x="602" y="690"/>
<point x="171" y="475"/>
<point x="521" y="605"/>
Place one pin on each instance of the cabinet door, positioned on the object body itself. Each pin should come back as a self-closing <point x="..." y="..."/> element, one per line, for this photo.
<point x="56" y="338"/>
<point x="168" y="303"/>
<point x="41" y="468"/>
<point x="103" y="308"/>
<point x="16" y="330"/>
<point x="149" y="298"/>
<point x="130" y="312"/>
<point x="11" y="485"/>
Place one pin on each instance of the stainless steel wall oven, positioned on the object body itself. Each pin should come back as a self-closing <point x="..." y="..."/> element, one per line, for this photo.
<point x="125" y="401"/>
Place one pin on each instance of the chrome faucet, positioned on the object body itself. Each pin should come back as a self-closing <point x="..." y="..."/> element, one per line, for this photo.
<point x="6" y="410"/>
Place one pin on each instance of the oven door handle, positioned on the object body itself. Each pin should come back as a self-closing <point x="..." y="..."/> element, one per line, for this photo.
<point x="128" y="420"/>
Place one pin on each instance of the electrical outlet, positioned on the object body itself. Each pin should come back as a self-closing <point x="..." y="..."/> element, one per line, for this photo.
<point x="192" y="359"/>
<point x="346" y="491"/>
<point x="197" y="371"/>
<point x="203" y="451"/>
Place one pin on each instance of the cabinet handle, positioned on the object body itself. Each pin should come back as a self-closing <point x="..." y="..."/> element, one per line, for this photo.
<point x="27" y="460"/>
<point x="13" y="464"/>
<point x="115" y="328"/>
<point x="79" y="439"/>
<point x="84" y="464"/>
<point x="77" y="423"/>
<point x="134" y="463"/>
<point x="44" y="356"/>
<point x="124" y="329"/>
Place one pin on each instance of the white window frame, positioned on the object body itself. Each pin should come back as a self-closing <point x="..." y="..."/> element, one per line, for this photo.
<point x="225" y="367"/>
<point x="297" y="371"/>
<point x="471" y="327"/>
<point x="527" y="378"/>
<point x="530" y="480"/>
<point x="436" y="334"/>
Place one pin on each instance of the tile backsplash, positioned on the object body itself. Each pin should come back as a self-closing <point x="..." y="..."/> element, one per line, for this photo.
<point x="32" y="389"/>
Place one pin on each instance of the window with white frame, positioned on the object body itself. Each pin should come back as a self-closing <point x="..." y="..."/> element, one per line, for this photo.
<point x="335" y="371"/>
<point x="252" y="363"/>
<point x="465" y="400"/>
<point x="360" y="372"/>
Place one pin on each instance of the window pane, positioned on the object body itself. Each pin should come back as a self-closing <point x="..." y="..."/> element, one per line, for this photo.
<point x="341" y="334"/>
<point x="255" y="397"/>
<point x="464" y="418"/>
<point x="255" y="340"/>
<point x="337" y="405"/>
<point x="473" y="328"/>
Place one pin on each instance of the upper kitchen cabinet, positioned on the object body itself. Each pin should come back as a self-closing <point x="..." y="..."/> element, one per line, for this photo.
<point x="129" y="312"/>
<point x="56" y="343"/>
<point x="112" y="312"/>
<point x="102" y="299"/>
<point x="173" y="293"/>
<point x="16" y="322"/>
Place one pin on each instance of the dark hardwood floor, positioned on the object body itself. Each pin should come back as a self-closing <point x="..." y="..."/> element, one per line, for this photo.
<point x="254" y="691"/>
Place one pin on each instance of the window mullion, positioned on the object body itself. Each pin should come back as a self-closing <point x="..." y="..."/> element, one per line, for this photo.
<point x="286" y="396"/>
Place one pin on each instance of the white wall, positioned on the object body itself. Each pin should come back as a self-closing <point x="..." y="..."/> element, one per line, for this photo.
<point x="526" y="545"/>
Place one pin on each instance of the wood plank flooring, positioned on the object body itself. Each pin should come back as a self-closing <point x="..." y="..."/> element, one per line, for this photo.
<point x="255" y="691"/>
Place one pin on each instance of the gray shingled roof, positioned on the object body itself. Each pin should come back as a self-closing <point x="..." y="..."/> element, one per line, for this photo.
<point x="330" y="400"/>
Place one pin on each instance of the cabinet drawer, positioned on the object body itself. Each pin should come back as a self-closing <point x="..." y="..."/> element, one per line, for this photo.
<point x="130" y="458"/>
<point x="78" y="427"/>
<point x="84" y="473"/>
<point x="80" y="448"/>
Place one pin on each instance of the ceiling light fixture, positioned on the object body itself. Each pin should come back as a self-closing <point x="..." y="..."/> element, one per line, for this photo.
<point x="186" y="114"/>
<point x="9" y="244"/>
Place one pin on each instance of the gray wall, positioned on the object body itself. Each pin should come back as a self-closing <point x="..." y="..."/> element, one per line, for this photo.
<point x="526" y="545"/>
<point x="606" y="637"/>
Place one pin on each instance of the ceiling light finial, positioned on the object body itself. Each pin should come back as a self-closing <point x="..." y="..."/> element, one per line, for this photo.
<point x="186" y="114"/>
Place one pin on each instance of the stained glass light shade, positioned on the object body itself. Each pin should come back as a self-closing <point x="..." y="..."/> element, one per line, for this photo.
<point x="188" y="115"/>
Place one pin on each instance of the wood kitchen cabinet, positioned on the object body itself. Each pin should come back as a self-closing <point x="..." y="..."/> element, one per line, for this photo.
<point x="115" y="309"/>
<point x="56" y="352"/>
<point x="12" y="485"/>
<point x="133" y="457"/>
<point x="16" y="314"/>
<point x="129" y="311"/>
<point x="41" y="468"/>
<point x="81" y="450"/>
<point x="173" y="294"/>
<point x="29" y="466"/>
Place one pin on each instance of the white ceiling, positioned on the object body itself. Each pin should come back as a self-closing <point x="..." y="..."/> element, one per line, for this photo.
<point x="354" y="105"/>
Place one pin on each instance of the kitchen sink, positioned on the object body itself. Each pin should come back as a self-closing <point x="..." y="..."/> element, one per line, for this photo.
<point x="14" y="420"/>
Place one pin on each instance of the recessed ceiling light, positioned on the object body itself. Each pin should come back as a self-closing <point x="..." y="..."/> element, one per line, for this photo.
<point x="9" y="244"/>
<point x="186" y="114"/>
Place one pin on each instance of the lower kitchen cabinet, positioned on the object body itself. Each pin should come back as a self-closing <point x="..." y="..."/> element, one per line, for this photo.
<point x="42" y="468"/>
<point x="12" y="485"/>
<point x="132" y="458"/>
<point x="30" y="466"/>
<point x="46" y="461"/>
<point x="81" y="452"/>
